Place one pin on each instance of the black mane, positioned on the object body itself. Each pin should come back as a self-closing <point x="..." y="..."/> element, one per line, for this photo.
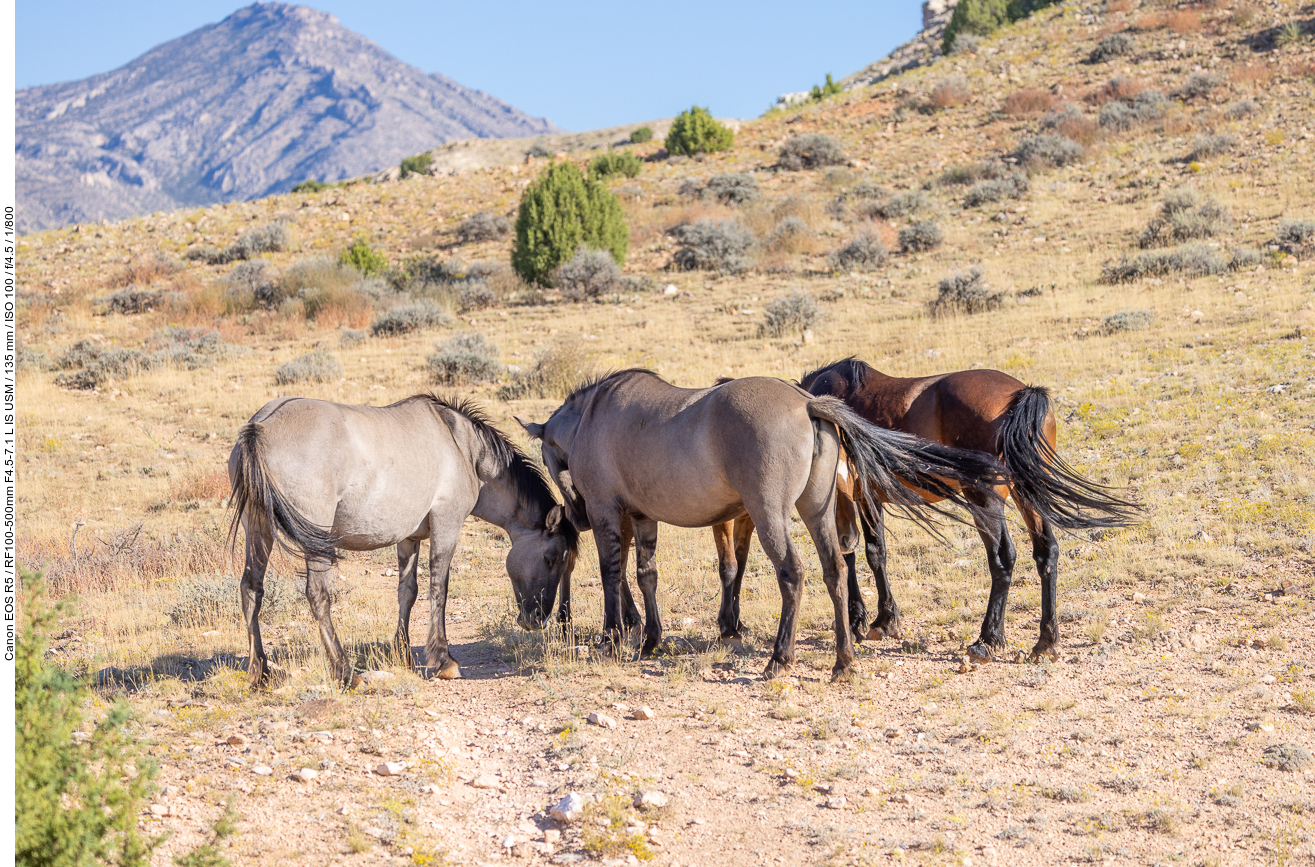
<point x="528" y="480"/>
<point x="855" y="373"/>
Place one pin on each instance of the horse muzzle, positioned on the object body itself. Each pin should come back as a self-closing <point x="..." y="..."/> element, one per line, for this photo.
<point x="531" y="621"/>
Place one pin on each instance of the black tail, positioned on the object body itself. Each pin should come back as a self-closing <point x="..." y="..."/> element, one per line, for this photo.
<point x="887" y="462"/>
<point x="256" y="495"/>
<point x="1043" y="482"/>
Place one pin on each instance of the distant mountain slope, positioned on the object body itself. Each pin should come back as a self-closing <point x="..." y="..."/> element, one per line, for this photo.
<point x="271" y="95"/>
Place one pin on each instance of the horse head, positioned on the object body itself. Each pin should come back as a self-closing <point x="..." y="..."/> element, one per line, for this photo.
<point x="538" y="563"/>
<point x="556" y="436"/>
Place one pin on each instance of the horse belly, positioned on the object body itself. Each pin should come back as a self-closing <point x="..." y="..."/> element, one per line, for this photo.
<point x="383" y="513"/>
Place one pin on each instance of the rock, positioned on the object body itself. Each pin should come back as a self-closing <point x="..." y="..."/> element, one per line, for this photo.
<point x="389" y="769"/>
<point x="238" y="740"/>
<point x="568" y="809"/>
<point x="305" y="775"/>
<point x="159" y="811"/>
<point x="262" y="770"/>
<point x="643" y="713"/>
<point x="836" y="802"/>
<point x="373" y="681"/>
<point x="1197" y="315"/>
<point x="792" y="773"/>
<point x="602" y="719"/>
<point x="651" y="799"/>
<point x="1138" y="598"/>
<point x="670" y="289"/>
<point x="551" y="836"/>
<point x="900" y="798"/>
<point x="1268" y="678"/>
<point x="508" y="842"/>
<point x="522" y="849"/>
<point x="486" y="781"/>
<point x="620" y="707"/>
<point x="569" y="858"/>
<point x="809" y="338"/>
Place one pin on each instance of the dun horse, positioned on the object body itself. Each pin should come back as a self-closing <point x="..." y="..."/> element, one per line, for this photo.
<point x="991" y="412"/>
<point x="630" y="450"/>
<point x="318" y="476"/>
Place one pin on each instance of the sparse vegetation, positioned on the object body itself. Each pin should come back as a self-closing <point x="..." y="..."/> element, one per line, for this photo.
<point x="899" y="206"/>
<point x="1199" y="85"/>
<point x="829" y="88"/>
<point x="466" y="358"/>
<point x="1192" y="260"/>
<point x="1112" y="46"/>
<point x="615" y="164"/>
<point x="89" y="364"/>
<point x="557" y="369"/>
<point x="865" y="252"/>
<point x="1126" y="320"/>
<point x="810" y="151"/>
<point x="407" y="317"/>
<point x="920" y="236"/>
<point x="560" y="211"/>
<point x="949" y="91"/>
<point x="1184" y="217"/>
<point x="790" y="314"/>
<point x="364" y="258"/>
<point x="1029" y="101"/>
<point x="1048" y="150"/>
<point x="965" y="292"/>
<point x="696" y="131"/>
<point x="641" y="135"/>
<point x="1212" y="144"/>
<point x="1121" y="115"/>
<point x="1296" y="236"/>
<point x="733" y="188"/>
<point x="1244" y="107"/>
<point x="1287" y="756"/>
<point x="588" y="274"/>
<point x="986" y="192"/>
<point x="483" y="226"/>
<point x="310" y="185"/>
<point x="318" y="366"/>
<point x="964" y="43"/>
<point x="417" y="165"/>
<point x="714" y="245"/>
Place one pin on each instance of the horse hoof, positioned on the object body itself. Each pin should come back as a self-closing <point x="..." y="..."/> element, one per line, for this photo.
<point x="354" y="681"/>
<point x="450" y="671"/>
<point x="1038" y="652"/>
<point x="843" y="675"/>
<point x="980" y="653"/>
<point x="775" y="670"/>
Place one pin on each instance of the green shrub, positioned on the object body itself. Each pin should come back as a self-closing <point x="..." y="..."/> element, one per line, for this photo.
<point x="982" y="17"/>
<point x="310" y="185"/>
<point x="641" y="135"/>
<point x="364" y="258"/>
<point x="467" y="357"/>
<point x="561" y="211"/>
<point x="817" y="94"/>
<point x="76" y="799"/>
<point x="615" y="163"/>
<point x="696" y="132"/>
<point x="417" y="165"/>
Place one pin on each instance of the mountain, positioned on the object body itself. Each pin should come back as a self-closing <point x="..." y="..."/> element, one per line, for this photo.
<point x="268" y="97"/>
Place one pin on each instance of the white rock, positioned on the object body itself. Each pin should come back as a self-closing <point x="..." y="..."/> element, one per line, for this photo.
<point x="602" y="719"/>
<point x="486" y="781"/>
<point x="644" y="712"/>
<point x="508" y="841"/>
<point x="262" y="770"/>
<point x="389" y="769"/>
<point x="651" y="799"/>
<point x="670" y="289"/>
<point x="836" y="802"/>
<point x="305" y="775"/>
<point x="568" y="809"/>
<point x="158" y="810"/>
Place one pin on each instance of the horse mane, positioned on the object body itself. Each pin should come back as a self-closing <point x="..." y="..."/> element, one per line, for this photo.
<point x="854" y="371"/>
<point x="526" y="477"/>
<point x="592" y="382"/>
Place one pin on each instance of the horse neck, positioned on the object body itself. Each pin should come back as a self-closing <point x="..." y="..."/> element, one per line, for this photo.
<point x="500" y="502"/>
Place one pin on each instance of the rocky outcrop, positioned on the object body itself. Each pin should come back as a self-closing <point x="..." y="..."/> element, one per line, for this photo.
<point x="250" y="106"/>
<point x="920" y="50"/>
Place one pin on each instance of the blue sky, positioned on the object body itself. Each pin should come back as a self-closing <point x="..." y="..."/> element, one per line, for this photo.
<point x="584" y="65"/>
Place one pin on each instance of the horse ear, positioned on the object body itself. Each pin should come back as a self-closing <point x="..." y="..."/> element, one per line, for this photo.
<point x="534" y="429"/>
<point x="553" y="520"/>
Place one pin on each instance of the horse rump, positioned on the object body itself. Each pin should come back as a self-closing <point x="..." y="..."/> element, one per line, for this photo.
<point x="256" y="495"/>
<point x="1042" y="481"/>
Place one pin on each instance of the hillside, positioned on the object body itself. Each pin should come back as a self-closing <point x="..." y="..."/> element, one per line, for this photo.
<point x="250" y="106"/>
<point x="1135" y="187"/>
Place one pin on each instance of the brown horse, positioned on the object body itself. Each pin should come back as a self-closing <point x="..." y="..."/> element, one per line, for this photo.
<point x="988" y="411"/>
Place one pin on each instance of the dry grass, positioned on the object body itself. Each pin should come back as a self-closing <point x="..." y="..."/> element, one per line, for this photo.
<point x="1029" y="101"/>
<point x="1184" y="21"/>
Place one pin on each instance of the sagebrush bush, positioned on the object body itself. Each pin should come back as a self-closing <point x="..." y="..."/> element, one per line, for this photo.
<point x="351" y="337"/>
<point x="417" y="165"/>
<point x="641" y="135"/>
<point x="467" y="357"/>
<point x="615" y="164"/>
<point x="985" y="192"/>
<point x="696" y="131"/>
<point x="1048" y="150"/>
<point x="132" y="300"/>
<point x="920" y="236"/>
<point x="322" y="285"/>
<point x="409" y="316"/>
<point x="557" y="370"/>
<point x="483" y="226"/>
<point x="732" y="188"/>
<point x="1212" y="144"/>
<point x="971" y="173"/>
<point x="790" y="235"/>
<point x="76" y="801"/>
<point x="714" y="245"/>
<point x="1191" y="260"/>
<point x="1112" y="46"/>
<point x="864" y="252"/>
<point x="588" y="274"/>
<point x="1295" y="236"/>
<point x="1200" y="85"/>
<point x="318" y="366"/>
<point x="949" y="91"/>
<point x="900" y="205"/>
<point x="91" y="364"/>
<point x="270" y="238"/>
<point x="364" y="258"/>
<point x="964" y="292"/>
<point x="476" y="295"/>
<point x="1127" y="320"/>
<point x="1184" y="217"/>
<point x="790" y="314"/>
<point x="1144" y="107"/>
<point x="1244" y="107"/>
<point x="964" y="43"/>
<point x="560" y="211"/>
<point x="251" y="284"/>
<point x="810" y="150"/>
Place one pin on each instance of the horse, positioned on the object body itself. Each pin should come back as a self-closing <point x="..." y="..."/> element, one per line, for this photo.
<point x="629" y="450"/>
<point x="316" y="476"/>
<point x="989" y="411"/>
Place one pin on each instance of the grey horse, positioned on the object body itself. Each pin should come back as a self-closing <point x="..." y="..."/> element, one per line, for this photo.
<point x="630" y="450"/>
<point x="318" y="476"/>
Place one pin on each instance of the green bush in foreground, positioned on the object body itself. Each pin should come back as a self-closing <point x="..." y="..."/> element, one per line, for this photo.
<point x="561" y="211"/>
<point x="364" y="258"/>
<point x="615" y="163"/>
<point x="76" y="801"/>
<point x="696" y="131"/>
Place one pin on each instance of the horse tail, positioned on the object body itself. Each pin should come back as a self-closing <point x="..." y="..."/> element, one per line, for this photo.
<point x="257" y="496"/>
<point x="1042" y="481"/>
<point x="897" y="466"/>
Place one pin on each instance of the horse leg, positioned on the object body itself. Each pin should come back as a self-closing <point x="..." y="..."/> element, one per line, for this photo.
<point x="1000" y="556"/>
<point x="646" y="576"/>
<point x="774" y="536"/>
<point x="608" y="538"/>
<point x="847" y="532"/>
<point x="443" y="541"/>
<point x="408" y="559"/>
<point x="817" y="509"/>
<point x="1045" y="553"/>
<point x="887" y="623"/>
<point x="252" y="590"/>
<point x="630" y="612"/>
<point x="564" y="605"/>
<point x="317" y="593"/>
<point x="732" y="540"/>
